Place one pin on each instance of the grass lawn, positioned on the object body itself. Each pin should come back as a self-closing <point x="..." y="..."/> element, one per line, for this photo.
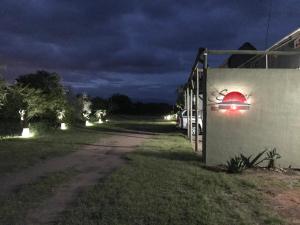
<point x="14" y="206"/>
<point x="164" y="183"/>
<point x="17" y="153"/>
<point x="142" y="124"/>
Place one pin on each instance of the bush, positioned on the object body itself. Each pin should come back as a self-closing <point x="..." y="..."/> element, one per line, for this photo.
<point x="272" y="156"/>
<point x="241" y="162"/>
<point x="235" y="165"/>
<point x="10" y="128"/>
<point x="254" y="162"/>
<point x="41" y="128"/>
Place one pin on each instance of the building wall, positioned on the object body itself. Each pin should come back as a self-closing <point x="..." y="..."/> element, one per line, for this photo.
<point x="272" y="121"/>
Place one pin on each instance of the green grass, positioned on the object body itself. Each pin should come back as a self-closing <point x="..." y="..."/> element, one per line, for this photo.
<point x="14" y="206"/>
<point x="164" y="183"/>
<point x="17" y="153"/>
<point x="141" y="124"/>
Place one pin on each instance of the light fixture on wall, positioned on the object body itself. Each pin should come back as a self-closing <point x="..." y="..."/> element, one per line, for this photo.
<point x="232" y="101"/>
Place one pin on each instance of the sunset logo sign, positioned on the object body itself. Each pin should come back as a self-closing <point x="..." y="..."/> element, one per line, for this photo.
<point x="232" y="101"/>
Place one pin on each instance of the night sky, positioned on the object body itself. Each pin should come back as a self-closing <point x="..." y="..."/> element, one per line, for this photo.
<point x="141" y="48"/>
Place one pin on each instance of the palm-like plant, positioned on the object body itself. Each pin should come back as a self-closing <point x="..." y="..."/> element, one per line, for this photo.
<point x="272" y="156"/>
<point x="250" y="163"/>
<point x="235" y="165"/>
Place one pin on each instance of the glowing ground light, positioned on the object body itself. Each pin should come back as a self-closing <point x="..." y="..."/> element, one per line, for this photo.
<point x="88" y="124"/>
<point x="100" y="121"/>
<point x="63" y="126"/>
<point x="26" y="133"/>
<point x="233" y="101"/>
<point x="168" y="117"/>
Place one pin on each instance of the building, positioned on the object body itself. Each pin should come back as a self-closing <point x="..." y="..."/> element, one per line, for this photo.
<point x="264" y="111"/>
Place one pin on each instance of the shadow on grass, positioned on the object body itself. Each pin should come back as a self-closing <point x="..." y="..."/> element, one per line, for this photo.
<point x="124" y="131"/>
<point x="106" y="146"/>
<point x="217" y="169"/>
<point x="147" y="128"/>
<point x="180" y="156"/>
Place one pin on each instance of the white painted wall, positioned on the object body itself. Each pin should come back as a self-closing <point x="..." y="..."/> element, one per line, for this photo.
<point x="272" y="121"/>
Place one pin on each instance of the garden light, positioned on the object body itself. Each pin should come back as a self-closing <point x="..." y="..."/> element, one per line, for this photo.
<point x="100" y="114"/>
<point x="168" y="117"/>
<point x="26" y="133"/>
<point x="88" y="124"/>
<point x="63" y="126"/>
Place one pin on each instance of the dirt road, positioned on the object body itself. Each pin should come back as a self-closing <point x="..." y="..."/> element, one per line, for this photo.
<point x="92" y="162"/>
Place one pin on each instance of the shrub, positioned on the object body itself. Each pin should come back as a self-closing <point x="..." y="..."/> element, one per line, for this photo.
<point x="235" y="165"/>
<point x="41" y="127"/>
<point x="250" y="163"/>
<point x="10" y="127"/>
<point x="241" y="162"/>
<point x="272" y="156"/>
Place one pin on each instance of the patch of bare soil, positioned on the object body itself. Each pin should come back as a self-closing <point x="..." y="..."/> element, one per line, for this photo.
<point x="287" y="204"/>
<point x="283" y="193"/>
<point x="93" y="162"/>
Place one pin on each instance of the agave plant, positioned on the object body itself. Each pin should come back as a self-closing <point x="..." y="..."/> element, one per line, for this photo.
<point x="235" y="165"/>
<point x="272" y="156"/>
<point x="250" y="163"/>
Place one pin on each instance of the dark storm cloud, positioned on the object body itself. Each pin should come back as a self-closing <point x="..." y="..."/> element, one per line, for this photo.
<point x="96" y="44"/>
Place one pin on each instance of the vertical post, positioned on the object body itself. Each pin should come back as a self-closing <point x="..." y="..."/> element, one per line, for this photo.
<point x="191" y="115"/>
<point x="188" y="112"/>
<point x="197" y="111"/>
<point x="185" y="102"/>
<point x="204" y="88"/>
<point x="267" y="62"/>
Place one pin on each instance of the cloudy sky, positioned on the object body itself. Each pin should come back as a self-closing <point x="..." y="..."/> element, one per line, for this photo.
<point x="142" y="48"/>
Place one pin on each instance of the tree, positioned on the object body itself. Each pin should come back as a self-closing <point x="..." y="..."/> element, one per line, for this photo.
<point x="120" y="104"/>
<point x="85" y="104"/>
<point x="27" y="102"/>
<point x="3" y="92"/>
<point x="48" y="84"/>
<point x="99" y="104"/>
<point x="180" y="97"/>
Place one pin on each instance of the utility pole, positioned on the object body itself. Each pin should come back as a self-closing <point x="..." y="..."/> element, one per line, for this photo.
<point x="185" y="101"/>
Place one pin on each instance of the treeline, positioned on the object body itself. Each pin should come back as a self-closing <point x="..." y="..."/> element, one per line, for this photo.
<point x="122" y="104"/>
<point x="40" y="98"/>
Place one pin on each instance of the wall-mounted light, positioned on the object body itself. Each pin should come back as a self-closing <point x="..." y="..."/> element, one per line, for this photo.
<point x="232" y="101"/>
